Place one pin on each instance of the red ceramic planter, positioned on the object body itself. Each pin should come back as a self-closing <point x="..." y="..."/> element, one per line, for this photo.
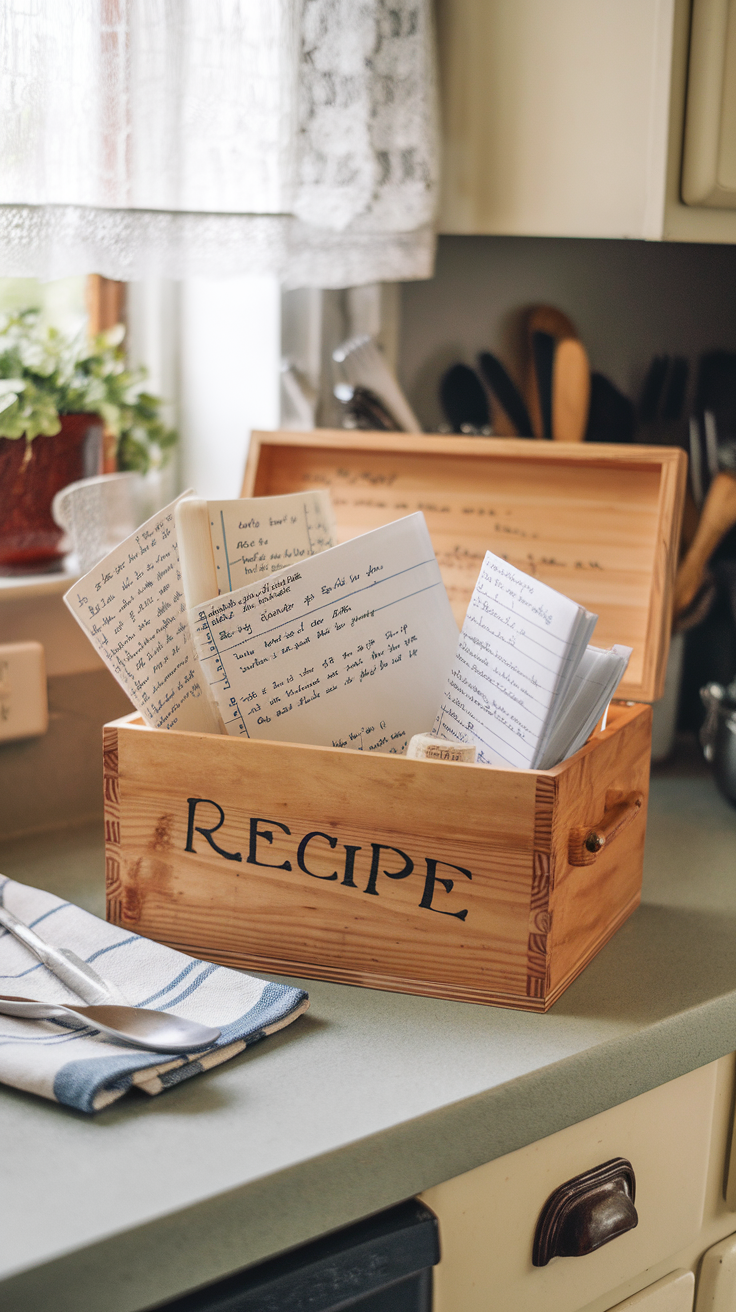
<point x="30" y="477"/>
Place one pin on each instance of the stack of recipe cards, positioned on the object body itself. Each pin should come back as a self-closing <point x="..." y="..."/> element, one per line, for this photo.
<point x="133" y="604"/>
<point x="524" y="685"/>
<point x="244" y="617"/>
<point x="348" y="646"/>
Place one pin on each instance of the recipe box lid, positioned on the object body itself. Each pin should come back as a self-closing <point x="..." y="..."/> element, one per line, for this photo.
<point x="600" y="523"/>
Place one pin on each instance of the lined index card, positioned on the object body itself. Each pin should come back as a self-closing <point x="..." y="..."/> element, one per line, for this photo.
<point x="348" y="649"/>
<point x="519" y="647"/>
<point x="133" y="610"/>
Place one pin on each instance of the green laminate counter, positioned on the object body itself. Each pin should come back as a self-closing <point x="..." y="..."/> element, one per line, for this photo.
<point x="371" y="1097"/>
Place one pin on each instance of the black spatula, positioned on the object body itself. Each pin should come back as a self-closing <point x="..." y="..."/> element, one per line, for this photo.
<point x="506" y="393"/>
<point x="464" y="400"/>
<point x="611" y="417"/>
<point x="543" y="351"/>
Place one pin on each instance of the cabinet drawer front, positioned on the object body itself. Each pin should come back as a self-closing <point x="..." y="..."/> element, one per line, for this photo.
<point x="717" y="1282"/>
<point x="488" y="1216"/>
<point x="673" y="1294"/>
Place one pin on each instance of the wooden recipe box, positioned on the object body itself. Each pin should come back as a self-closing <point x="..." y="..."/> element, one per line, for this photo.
<point x="456" y="881"/>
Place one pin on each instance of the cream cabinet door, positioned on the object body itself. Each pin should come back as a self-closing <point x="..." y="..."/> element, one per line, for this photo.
<point x="488" y="1217"/>
<point x="709" y="159"/>
<point x="555" y="116"/>
<point x="717" y="1279"/>
<point x="564" y="118"/>
<point x="673" y="1294"/>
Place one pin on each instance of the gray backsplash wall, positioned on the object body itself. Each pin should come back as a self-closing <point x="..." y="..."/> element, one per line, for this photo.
<point x="56" y="780"/>
<point x="629" y="300"/>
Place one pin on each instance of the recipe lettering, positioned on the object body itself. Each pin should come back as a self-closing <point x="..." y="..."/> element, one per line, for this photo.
<point x="309" y="850"/>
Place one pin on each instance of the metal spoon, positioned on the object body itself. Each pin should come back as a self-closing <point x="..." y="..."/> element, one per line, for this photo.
<point x="154" y="1030"/>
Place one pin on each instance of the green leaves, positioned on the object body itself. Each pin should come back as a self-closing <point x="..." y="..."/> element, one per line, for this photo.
<point x="44" y="373"/>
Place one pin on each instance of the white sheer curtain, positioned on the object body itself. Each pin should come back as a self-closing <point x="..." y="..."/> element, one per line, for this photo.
<point x="185" y="138"/>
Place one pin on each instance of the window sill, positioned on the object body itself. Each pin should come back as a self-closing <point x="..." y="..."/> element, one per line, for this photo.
<point x="18" y="587"/>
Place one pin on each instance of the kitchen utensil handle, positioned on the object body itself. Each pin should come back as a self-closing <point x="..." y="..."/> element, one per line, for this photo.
<point x="29" y="1009"/>
<point x="587" y="841"/>
<point x="717" y="517"/>
<point x="570" y="391"/>
<point x="64" y="964"/>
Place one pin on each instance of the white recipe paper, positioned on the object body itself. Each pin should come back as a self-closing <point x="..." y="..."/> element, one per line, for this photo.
<point x="131" y="606"/>
<point x="224" y="545"/>
<point x="350" y="648"/>
<point x="520" y="645"/>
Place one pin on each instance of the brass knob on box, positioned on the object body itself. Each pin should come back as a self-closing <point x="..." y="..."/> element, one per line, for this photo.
<point x="586" y="1212"/>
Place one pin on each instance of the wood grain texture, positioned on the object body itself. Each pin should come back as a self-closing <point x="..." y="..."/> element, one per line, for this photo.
<point x="589" y="903"/>
<point x="338" y="865"/>
<point x="598" y="523"/>
<point x="364" y="896"/>
<point x="537" y="967"/>
<point x="111" y="788"/>
<point x="585" y="844"/>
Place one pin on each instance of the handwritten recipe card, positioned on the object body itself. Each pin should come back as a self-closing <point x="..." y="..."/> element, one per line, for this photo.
<point x="226" y="544"/>
<point x="349" y="649"/>
<point x="520" y="645"/>
<point x="132" y="607"/>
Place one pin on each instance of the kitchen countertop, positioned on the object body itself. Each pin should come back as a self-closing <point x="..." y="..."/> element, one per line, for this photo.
<point x="369" y="1098"/>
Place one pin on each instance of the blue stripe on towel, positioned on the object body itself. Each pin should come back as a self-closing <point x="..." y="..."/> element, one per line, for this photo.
<point x="195" y="984"/>
<point x="47" y="1040"/>
<point x="78" y="1083"/>
<point x="134" y="938"/>
<point x="179" y="1073"/>
<point x="275" y="1002"/>
<point x="46" y="914"/>
<point x="171" y="985"/>
<point x="37" y="921"/>
<point x="23" y="972"/>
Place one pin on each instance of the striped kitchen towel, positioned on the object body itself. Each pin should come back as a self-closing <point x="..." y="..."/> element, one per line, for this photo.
<point x="81" y="1068"/>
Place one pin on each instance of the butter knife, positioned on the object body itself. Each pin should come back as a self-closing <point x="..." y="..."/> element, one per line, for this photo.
<point x="64" y="964"/>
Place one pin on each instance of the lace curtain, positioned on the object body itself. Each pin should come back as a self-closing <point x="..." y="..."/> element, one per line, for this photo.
<point x="181" y="138"/>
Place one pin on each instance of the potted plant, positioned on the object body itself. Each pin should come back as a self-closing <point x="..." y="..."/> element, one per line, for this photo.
<point x="58" y="394"/>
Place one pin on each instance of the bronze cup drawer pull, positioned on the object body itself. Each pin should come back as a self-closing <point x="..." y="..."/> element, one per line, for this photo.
<point x="588" y="840"/>
<point x="586" y="1212"/>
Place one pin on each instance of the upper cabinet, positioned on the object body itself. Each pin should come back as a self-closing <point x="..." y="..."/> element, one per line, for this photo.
<point x="709" y="157"/>
<point x="567" y="118"/>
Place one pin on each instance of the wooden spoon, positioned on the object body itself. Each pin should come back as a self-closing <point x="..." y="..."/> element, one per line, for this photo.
<point x="570" y="391"/>
<point x="717" y="517"/>
<point x="542" y="319"/>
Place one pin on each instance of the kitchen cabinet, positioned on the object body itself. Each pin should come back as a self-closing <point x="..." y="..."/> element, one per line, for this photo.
<point x="568" y="119"/>
<point x="674" y="1136"/>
